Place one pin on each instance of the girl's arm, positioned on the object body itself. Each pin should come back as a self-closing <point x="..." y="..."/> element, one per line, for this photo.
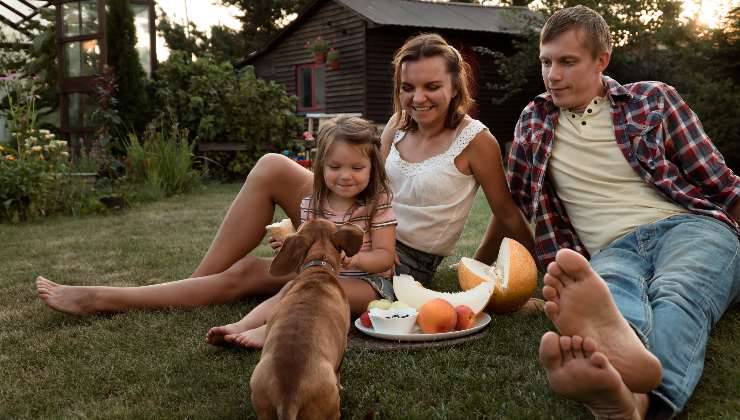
<point x="483" y="158"/>
<point x="381" y="257"/>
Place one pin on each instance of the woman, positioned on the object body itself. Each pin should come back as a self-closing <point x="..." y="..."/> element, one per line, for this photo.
<point x="437" y="157"/>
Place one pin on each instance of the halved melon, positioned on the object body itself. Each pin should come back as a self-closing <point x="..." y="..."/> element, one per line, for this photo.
<point x="415" y="295"/>
<point x="514" y="275"/>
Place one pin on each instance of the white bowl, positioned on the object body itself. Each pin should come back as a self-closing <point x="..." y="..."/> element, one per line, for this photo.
<point x="393" y="321"/>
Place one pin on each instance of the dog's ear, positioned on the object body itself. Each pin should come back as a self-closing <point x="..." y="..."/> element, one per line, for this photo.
<point x="348" y="238"/>
<point x="291" y="255"/>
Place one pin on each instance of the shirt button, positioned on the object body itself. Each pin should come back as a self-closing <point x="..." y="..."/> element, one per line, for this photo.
<point x="583" y="122"/>
<point x="596" y="102"/>
<point x="574" y="115"/>
<point x="589" y="111"/>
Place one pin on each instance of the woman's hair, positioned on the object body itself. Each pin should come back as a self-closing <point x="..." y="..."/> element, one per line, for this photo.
<point x="364" y="135"/>
<point x="427" y="46"/>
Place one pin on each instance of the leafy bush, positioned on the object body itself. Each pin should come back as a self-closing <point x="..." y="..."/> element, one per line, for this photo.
<point x="162" y="163"/>
<point x="217" y="105"/>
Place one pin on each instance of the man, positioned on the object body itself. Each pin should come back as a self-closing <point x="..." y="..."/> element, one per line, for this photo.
<point x="626" y="177"/>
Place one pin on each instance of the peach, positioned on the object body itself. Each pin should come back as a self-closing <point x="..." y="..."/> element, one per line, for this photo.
<point x="465" y="317"/>
<point x="437" y="316"/>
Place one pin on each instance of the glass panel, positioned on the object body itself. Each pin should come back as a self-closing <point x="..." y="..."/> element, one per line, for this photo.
<point x="81" y="58"/>
<point x="70" y="19"/>
<point x="75" y="120"/>
<point x="72" y="59"/>
<point x="80" y="18"/>
<point x="89" y="16"/>
<point x="319" y="93"/>
<point x="143" y="38"/>
<point x="305" y="84"/>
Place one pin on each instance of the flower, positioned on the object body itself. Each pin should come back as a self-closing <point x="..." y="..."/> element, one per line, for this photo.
<point x="37" y="148"/>
<point x="9" y="157"/>
<point x="307" y="136"/>
<point x="318" y="45"/>
<point x="333" y="54"/>
<point x="1" y="148"/>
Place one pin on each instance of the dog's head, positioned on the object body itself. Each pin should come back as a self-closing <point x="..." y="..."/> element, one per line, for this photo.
<point x="317" y="239"/>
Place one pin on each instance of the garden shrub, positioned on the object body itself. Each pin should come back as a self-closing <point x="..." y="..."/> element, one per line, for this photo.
<point x="162" y="164"/>
<point x="218" y="105"/>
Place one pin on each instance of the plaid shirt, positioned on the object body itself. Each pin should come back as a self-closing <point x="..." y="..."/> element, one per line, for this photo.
<point x="659" y="135"/>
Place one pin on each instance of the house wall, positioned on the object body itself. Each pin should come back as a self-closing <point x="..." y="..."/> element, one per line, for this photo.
<point x="345" y="87"/>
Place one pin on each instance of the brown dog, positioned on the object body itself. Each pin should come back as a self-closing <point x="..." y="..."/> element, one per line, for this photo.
<point x="297" y="376"/>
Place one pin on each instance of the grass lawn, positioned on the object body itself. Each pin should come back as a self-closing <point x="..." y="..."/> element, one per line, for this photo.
<point x="157" y="364"/>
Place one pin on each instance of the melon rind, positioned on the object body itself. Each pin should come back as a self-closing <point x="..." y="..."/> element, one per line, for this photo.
<point x="415" y="295"/>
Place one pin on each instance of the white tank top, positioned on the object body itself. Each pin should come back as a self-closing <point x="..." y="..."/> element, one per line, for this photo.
<point x="432" y="198"/>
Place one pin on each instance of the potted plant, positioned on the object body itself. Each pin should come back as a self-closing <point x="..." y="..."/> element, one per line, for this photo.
<point x="332" y="58"/>
<point x="318" y="47"/>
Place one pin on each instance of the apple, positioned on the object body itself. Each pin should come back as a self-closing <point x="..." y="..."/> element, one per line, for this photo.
<point x="365" y="320"/>
<point x="465" y="317"/>
<point x="380" y="304"/>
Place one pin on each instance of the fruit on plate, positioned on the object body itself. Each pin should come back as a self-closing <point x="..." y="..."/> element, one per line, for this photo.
<point x="465" y="317"/>
<point x="415" y="295"/>
<point x="399" y="305"/>
<point x="514" y="275"/>
<point x="380" y="304"/>
<point x="436" y="316"/>
<point x="365" y="320"/>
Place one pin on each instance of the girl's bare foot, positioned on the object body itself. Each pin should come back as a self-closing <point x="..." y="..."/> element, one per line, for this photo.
<point x="75" y="300"/>
<point x="215" y="335"/>
<point x="576" y="370"/>
<point x="579" y="303"/>
<point x="253" y="339"/>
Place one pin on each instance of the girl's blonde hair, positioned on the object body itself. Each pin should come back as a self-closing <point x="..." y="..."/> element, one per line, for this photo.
<point x="427" y="46"/>
<point x="364" y="135"/>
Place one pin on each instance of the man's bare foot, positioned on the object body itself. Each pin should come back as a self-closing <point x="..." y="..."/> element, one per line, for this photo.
<point x="253" y="339"/>
<point x="215" y="335"/>
<point x="75" y="300"/>
<point x="576" y="370"/>
<point x="579" y="303"/>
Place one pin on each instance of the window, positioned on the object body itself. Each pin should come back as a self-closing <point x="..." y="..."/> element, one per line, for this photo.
<point x="80" y="18"/>
<point x="310" y="85"/>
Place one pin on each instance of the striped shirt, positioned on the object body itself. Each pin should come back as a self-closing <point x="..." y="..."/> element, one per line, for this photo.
<point x="659" y="135"/>
<point x="358" y="216"/>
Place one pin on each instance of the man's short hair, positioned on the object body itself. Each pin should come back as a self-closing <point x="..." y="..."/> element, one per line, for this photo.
<point x="597" y="37"/>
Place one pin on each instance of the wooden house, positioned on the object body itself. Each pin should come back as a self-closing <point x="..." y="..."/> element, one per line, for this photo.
<point x="367" y="33"/>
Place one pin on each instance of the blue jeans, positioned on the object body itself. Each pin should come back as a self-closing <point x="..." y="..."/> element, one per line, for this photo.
<point x="672" y="280"/>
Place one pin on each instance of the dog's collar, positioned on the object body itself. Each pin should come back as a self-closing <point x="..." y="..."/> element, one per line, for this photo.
<point x="316" y="263"/>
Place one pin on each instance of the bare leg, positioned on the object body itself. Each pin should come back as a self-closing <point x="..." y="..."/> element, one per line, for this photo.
<point x="359" y="294"/>
<point x="577" y="370"/>
<point x="579" y="303"/>
<point x="275" y="179"/>
<point x="224" y="274"/>
<point x="247" y="277"/>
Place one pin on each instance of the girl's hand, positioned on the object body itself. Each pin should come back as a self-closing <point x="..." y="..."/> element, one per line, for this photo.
<point x="275" y="244"/>
<point x="350" y="262"/>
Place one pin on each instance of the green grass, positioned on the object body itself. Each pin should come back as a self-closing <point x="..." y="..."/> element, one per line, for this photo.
<point x="157" y="364"/>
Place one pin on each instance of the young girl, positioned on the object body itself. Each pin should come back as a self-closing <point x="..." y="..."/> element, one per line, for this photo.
<point x="350" y="186"/>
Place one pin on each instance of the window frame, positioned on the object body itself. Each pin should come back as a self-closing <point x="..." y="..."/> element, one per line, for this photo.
<point x="315" y="106"/>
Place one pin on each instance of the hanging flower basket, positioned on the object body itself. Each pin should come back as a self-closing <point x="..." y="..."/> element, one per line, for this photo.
<point x="332" y="59"/>
<point x="319" y="48"/>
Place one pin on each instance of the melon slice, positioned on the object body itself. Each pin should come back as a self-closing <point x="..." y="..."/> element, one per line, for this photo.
<point x="415" y="295"/>
<point x="514" y="275"/>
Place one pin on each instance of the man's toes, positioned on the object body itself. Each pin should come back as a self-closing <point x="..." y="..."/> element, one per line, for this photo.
<point x="550" y="293"/>
<point x="550" y="355"/>
<point x="573" y="264"/>
<point x="599" y="360"/>
<point x="552" y="310"/>
<point x="589" y="345"/>
<point x="554" y="269"/>
<point x="566" y="348"/>
<point x="576" y="343"/>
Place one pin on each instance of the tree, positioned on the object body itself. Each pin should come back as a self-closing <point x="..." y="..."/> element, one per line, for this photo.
<point x="224" y="44"/>
<point x="261" y="19"/>
<point x="132" y="98"/>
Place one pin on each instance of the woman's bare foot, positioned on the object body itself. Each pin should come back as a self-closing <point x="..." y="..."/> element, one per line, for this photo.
<point x="253" y="339"/>
<point x="75" y="300"/>
<point x="576" y="370"/>
<point x="215" y="335"/>
<point x="579" y="303"/>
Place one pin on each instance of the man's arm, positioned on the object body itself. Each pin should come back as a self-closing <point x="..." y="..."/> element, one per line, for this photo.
<point x="735" y="211"/>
